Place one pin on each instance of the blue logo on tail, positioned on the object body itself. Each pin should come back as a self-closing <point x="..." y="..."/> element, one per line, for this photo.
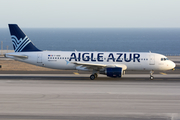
<point x="20" y="44"/>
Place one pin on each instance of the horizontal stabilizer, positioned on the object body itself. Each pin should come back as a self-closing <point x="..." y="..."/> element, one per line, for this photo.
<point x="17" y="56"/>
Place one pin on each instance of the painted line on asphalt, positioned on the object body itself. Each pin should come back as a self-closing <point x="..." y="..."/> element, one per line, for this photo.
<point x="163" y="73"/>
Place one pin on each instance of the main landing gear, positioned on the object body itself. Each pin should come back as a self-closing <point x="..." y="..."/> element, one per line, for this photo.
<point x="93" y="76"/>
<point x="151" y="74"/>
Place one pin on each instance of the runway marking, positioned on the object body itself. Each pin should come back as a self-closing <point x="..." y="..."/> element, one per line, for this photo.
<point x="163" y="73"/>
<point x="76" y="73"/>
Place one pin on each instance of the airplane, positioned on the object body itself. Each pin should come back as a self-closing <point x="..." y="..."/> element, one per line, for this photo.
<point x="112" y="64"/>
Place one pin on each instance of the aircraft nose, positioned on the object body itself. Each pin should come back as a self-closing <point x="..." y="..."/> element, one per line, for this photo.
<point x="173" y="65"/>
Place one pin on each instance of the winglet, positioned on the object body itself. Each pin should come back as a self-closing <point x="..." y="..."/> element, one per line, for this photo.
<point x="67" y="62"/>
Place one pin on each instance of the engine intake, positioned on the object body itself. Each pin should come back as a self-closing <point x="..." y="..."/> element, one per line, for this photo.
<point x="114" y="72"/>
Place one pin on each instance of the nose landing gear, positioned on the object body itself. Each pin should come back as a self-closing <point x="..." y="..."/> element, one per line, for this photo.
<point x="151" y="77"/>
<point x="151" y="74"/>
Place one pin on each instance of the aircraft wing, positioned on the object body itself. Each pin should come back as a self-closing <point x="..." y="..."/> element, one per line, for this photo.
<point x="98" y="66"/>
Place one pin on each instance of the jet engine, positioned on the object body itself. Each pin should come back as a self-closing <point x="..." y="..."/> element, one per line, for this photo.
<point x="113" y="72"/>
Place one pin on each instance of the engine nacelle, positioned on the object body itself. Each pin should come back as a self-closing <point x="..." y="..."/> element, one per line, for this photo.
<point x="114" y="72"/>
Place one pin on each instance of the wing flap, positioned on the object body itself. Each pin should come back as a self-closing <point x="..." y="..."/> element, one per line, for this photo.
<point x="98" y="66"/>
<point x="89" y="64"/>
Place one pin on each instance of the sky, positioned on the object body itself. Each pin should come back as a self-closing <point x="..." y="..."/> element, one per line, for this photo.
<point x="90" y="13"/>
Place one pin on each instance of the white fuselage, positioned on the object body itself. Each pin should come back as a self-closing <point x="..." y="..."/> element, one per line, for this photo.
<point x="64" y="59"/>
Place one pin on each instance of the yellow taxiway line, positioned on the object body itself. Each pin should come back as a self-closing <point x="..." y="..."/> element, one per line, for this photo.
<point x="163" y="73"/>
<point x="76" y="73"/>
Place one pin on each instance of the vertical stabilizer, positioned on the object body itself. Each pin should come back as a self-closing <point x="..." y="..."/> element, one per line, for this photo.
<point x="21" y="42"/>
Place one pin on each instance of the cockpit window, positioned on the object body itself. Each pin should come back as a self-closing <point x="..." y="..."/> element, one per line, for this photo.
<point x="164" y="59"/>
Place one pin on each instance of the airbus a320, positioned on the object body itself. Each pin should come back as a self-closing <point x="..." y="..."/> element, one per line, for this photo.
<point x="112" y="64"/>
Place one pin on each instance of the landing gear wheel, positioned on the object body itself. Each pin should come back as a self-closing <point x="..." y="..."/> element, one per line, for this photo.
<point x="151" y="74"/>
<point x="151" y="77"/>
<point x="96" y="75"/>
<point x="92" y="77"/>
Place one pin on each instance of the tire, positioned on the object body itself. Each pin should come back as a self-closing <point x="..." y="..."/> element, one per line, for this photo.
<point x="96" y="75"/>
<point x="151" y="77"/>
<point x="92" y="77"/>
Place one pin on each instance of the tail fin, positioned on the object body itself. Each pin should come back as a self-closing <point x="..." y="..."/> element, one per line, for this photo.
<point x="21" y="42"/>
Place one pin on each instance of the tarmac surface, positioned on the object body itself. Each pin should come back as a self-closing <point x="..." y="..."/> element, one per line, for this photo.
<point x="75" y="97"/>
<point x="35" y="93"/>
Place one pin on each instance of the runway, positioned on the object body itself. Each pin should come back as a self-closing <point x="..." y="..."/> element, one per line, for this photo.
<point x="37" y="97"/>
<point x="86" y="76"/>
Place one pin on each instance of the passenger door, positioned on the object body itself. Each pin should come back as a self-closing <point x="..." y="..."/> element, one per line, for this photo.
<point x="152" y="60"/>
